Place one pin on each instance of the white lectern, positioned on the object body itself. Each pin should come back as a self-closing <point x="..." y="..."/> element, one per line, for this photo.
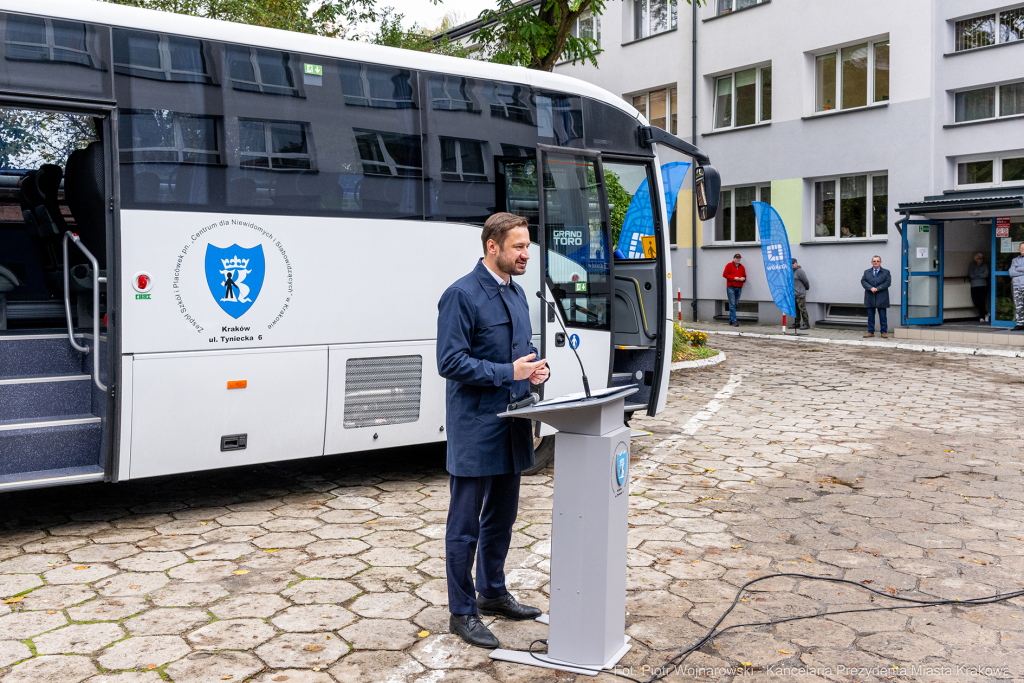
<point x="587" y="612"/>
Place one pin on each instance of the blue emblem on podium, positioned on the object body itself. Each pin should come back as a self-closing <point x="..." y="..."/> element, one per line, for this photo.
<point x="235" y="276"/>
<point x="621" y="466"/>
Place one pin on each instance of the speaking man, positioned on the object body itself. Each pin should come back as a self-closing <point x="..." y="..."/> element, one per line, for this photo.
<point x="485" y="353"/>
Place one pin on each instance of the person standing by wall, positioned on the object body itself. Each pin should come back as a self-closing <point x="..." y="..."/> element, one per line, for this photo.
<point x="800" y="287"/>
<point x="978" y="273"/>
<point x="735" y="275"/>
<point x="876" y="281"/>
<point x="485" y="354"/>
<point x="1017" y="274"/>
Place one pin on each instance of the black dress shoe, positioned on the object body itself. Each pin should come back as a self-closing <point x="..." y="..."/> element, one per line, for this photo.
<point x="472" y="630"/>
<point x="505" y="606"/>
<point x="1018" y="328"/>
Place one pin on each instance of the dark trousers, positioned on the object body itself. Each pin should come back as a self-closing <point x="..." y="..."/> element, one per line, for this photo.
<point x="979" y="295"/>
<point x="801" y="311"/>
<point x="882" y="318"/>
<point x="480" y="518"/>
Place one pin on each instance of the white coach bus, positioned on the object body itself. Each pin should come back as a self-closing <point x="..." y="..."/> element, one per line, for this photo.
<point x="223" y="245"/>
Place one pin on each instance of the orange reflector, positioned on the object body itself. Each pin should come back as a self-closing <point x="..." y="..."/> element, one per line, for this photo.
<point x="238" y="384"/>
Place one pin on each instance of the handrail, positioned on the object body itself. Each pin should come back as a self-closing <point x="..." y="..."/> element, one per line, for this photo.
<point x="96" y="280"/>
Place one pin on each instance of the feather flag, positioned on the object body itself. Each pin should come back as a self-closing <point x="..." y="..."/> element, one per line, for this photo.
<point x="778" y="262"/>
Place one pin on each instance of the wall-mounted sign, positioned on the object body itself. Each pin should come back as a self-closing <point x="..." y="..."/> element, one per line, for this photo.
<point x="1003" y="227"/>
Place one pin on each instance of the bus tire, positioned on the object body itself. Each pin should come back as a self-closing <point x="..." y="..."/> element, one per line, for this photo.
<point x="543" y="454"/>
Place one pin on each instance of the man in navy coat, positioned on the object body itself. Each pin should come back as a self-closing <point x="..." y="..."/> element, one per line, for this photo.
<point x="876" y="282"/>
<point x="485" y="352"/>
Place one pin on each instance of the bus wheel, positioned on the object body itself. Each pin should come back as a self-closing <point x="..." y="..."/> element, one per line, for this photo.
<point x="544" y="454"/>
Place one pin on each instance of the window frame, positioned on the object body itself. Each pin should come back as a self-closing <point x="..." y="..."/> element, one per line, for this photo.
<point x="997" y="159"/>
<point x="758" y="98"/>
<point x="869" y="194"/>
<point x="760" y="188"/>
<point x="395" y="169"/>
<point x="997" y="16"/>
<point x="127" y="154"/>
<point x="260" y="86"/>
<point x="642" y="19"/>
<point x="719" y="12"/>
<point x="996" y="102"/>
<point x="575" y="30"/>
<point x="460" y="175"/>
<point x="671" y="112"/>
<point x="52" y="45"/>
<point x="837" y="54"/>
<point x="165" y="71"/>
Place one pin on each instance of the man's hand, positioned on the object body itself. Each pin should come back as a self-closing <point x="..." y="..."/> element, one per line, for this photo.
<point x="540" y="375"/>
<point x="874" y="290"/>
<point x="523" y="368"/>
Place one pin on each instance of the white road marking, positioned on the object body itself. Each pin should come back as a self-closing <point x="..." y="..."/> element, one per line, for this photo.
<point x="669" y="445"/>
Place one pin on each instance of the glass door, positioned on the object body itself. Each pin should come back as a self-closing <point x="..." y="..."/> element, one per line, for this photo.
<point x="577" y="268"/>
<point x="922" y="273"/>
<point x="1004" y="249"/>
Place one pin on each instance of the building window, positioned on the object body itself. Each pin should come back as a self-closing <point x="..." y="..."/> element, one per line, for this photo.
<point x="588" y="26"/>
<point x="659" y="106"/>
<point x="161" y="136"/>
<point x="274" y="145"/>
<point x="727" y="6"/>
<point x="990" y="29"/>
<point x="32" y="39"/>
<point x="462" y="160"/>
<point x="378" y="86"/>
<point x="851" y="207"/>
<point x="991" y="171"/>
<point x="743" y="98"/>
<point x="450" y="93"/>
<point x="653" y="16"/>
<point x="989" y="103"/>
<point x="511" y="102"/>
<point x="853" y="76"/>
<point x="264" y="71"/>
<point x="389" y="154"/>
<point x="160" y="57"/>
<point x="735" y="222"/>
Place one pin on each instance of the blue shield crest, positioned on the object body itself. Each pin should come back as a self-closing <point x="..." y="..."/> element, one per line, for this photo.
<point x="621" y="465"/>
<point x="235" y="276"/>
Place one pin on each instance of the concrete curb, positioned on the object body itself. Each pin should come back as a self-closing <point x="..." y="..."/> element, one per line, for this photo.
<point x="965" y="350"/>
<point x="701" y="363"/>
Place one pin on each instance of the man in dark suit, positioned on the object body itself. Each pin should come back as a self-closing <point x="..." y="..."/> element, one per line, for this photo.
<point x="876" y="283"/>
<point x="485" y="354"/>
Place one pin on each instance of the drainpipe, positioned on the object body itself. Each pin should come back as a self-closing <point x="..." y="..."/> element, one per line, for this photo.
<point x="693" y="193"/>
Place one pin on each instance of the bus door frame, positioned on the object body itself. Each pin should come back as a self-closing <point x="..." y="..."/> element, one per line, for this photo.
<point x="654" y="185"/>
<point x="547" y="315"/>
<point x="106" y="111"/>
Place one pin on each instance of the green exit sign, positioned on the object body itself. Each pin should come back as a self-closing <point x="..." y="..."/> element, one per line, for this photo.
<point x="313" y="69"/>
<point x="581" y="286"/>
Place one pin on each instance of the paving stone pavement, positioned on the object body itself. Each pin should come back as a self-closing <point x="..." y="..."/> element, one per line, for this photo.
<point x="898" y="470"/>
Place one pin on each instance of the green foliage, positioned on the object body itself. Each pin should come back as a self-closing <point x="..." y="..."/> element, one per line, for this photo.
<point x="332" y="18"/>
<point x="392" y="34"/>
<point x="619" y="200"/>
<point x="29" y="139"/>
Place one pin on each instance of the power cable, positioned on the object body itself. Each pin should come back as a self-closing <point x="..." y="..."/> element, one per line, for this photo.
<point x="672" y="664"/>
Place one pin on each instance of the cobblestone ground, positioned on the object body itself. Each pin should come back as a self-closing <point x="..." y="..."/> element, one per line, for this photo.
<point x="897" y="470"/>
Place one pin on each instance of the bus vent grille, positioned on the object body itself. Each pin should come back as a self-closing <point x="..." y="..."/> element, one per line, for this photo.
<point x="382" y="391"/>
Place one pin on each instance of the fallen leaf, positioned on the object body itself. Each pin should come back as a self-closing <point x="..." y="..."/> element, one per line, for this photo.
<point x="53" y="611"/>
<point x="891" y="590"/>
<point x="806" y="559"/>
<point x="224" y="678"/>
<point x="279" y="678"/>
<point x="240" y="571"/>
<point x="423" y="634"/>
<point x="204" y="524"/>
<point x="81" y="566"/>
<point x="746" y="664"/>
<point x="785" y="652"/>
<point x="312" y="648"/>
<point x="150" y="667"/>
<point x="11" y="601"/>
<point x="734" y="547"/>
<point x="133" y="586"/>
<point x="372" y="521"/>
<point x="271" y="550"/>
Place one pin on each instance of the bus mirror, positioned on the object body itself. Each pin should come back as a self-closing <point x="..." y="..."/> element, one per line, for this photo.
<point x="708" y="185"/>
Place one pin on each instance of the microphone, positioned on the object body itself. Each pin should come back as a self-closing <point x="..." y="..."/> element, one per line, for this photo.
<point x="586" y="384"/>
<point x="524" y="402"/>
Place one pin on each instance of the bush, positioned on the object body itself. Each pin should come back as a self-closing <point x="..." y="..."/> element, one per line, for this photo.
<point x="683" y="337"/>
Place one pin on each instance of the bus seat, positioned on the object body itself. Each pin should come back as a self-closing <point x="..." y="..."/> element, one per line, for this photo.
<point x="44" y="223"/>
<point x="147" y="187"/>
<point x="84" y="189"/>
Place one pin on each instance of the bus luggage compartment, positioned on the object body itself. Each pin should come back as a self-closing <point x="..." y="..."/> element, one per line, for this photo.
<point x="191" y="410"/>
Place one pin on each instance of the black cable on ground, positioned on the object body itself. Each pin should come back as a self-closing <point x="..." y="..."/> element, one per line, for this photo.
<point x="672" y="664"/>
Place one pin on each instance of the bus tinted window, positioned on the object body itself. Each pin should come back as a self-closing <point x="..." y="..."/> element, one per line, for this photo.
<point x="55" y="56"/>
<point x="612" y="130"/>
<point x="164" y="58"/>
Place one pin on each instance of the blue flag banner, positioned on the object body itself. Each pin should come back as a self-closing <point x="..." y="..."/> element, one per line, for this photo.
<point x="778" y="263"/>
<point x="639" y="220"/>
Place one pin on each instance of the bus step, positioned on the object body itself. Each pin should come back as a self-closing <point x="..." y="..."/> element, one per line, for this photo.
<point x="55" y="477"/>
<point x="52" y="443"/>
<point x="35" y="397"/>
<point x="622" y="378"/>
<point x="38" y="354"/>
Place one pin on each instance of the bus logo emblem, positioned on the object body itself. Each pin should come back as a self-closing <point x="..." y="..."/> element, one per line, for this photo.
<point x="235" y="276"/>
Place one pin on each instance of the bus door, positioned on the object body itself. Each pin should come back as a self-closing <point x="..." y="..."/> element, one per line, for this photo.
<point x="55" y="345"/>
<point x="576" y="267"/>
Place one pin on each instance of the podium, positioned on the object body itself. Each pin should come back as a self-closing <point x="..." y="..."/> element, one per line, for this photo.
<point x="587" y="607"/>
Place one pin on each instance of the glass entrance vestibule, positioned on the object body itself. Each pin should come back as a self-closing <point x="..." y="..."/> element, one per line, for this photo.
<point x="956" y="270"/>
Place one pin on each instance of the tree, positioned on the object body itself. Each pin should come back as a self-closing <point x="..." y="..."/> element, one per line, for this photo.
<point x="392" y="34"/>
<point x="537" y="34"/>
<point x="332" y="18"/>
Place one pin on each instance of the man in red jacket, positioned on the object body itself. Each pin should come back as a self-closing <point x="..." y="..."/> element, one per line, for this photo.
<point x="735" y="275"/>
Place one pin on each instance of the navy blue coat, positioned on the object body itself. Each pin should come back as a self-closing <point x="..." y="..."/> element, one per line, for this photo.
<point x="482" y="327"/>
<point x="881" y="282"/>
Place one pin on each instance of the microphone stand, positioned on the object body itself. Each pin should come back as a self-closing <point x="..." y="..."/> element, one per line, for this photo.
<point x="586" y="384"/>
